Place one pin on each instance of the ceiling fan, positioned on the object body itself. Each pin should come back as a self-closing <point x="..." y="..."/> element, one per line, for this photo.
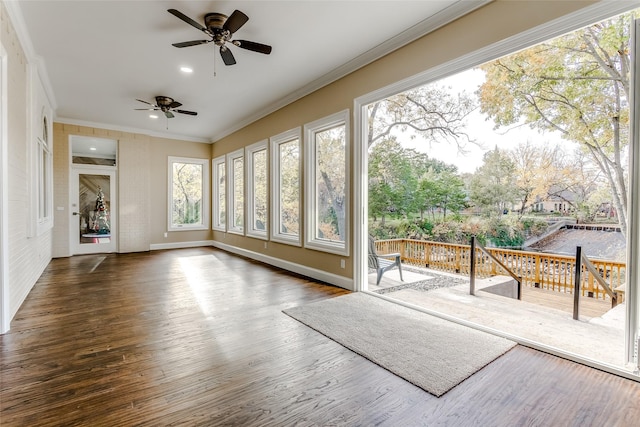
<point x="167" y="106"/>
<point x="221" y="28"/>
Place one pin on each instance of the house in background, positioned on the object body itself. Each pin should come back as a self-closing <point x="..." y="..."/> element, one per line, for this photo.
<point x="561" y="203"/>
<point x="38" y="169"/>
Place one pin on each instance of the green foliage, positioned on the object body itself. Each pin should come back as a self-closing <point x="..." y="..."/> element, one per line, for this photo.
<point x="578" y="85"/>
<point x="534" y="226"/>
<point x="186" y="193"/>
<point x="493" y="186"/>
<point x="505" y="231"/>
<point x="403" y="181"/>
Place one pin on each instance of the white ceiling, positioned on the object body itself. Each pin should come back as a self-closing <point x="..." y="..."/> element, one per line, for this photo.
<point x="100" y="56"/>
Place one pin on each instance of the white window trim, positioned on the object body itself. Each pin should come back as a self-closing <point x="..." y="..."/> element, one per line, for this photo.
<point x="215" y="163"/>
<point x="204" y="225"/>
<point x="39" y="171"/>
<point x="275" y="227"/>
<point x="311" y="217"/>
<point x="231" y="196"/>
<point x="250" y="195"/>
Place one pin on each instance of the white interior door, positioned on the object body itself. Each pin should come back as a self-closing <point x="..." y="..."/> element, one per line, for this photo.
<point x="93" y="210"/>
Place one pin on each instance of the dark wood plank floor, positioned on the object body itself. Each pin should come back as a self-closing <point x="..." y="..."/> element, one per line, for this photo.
<point x="198" y="337"/>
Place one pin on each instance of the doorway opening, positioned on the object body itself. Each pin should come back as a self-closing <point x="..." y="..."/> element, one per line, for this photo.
<point x="436" y="174"/>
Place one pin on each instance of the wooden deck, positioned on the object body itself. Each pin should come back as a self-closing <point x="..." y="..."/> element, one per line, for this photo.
<point x="588" y="307"/>
<point x="197" y="337"/>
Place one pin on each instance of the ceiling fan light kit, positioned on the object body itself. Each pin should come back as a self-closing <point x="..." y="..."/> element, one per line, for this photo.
<point x="167" y="105"/>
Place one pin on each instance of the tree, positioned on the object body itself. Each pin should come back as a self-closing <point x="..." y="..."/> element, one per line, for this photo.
<point x="430" y="111"/>
<point x="391" y="180"/>
<point x="580" y="179"/>
<point x="454" y="198"/>
<point x="331" y="182"/>
<point x="443" y="190"/>
<point x="493" y="186"/>
<point x="186" y="193"/>
<point x="290" y="187"/>
<point x="577" y="85"/>
<point x="538" y="169"/>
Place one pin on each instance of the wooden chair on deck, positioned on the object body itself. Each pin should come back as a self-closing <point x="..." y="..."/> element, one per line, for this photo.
<point x="383" y="262"/>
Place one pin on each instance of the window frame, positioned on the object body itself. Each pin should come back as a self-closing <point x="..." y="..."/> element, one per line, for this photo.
<point x="312" y="241"/>
<point x="44" y="177"/>
<point x="204" y="212"/>
<point x="231" y="195"/>
<point x="250" y="186"/>
<point x="215" y="205"/>
<point x="275" y="142"/>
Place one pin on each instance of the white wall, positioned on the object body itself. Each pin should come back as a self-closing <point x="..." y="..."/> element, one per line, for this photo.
<point x="27" y="252"/>
<point x="133" y="195"/>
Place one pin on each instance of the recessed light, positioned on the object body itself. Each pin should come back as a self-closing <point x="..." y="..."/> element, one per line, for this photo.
<point x="153" y="116"/>
<point x="186" y="69"/>
<point x="92" y="148"/>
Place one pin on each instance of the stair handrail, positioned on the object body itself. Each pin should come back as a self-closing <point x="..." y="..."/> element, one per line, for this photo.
<point x="581" y="260"/>
<point x="472" y="267"/>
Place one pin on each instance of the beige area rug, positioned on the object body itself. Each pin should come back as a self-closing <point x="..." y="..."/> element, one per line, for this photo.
<point x="431" y="353"/>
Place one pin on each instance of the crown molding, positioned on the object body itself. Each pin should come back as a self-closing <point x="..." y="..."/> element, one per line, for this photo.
<point x="106" y="126"/>
<point x="449" y="14"/>
<point x="17" y="20"/>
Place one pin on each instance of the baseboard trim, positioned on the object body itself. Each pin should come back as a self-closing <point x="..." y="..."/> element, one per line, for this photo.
<point x="334" y="279"/>
<point x="180" y="245"/>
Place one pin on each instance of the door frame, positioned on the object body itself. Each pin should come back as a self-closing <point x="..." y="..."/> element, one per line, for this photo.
<point x="632" y="295"/>
<point x="75" y="248"/>
<point x="549" y="30"/>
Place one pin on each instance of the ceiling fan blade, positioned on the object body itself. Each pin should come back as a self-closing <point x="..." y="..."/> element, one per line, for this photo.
<point x="227" y="56"/>
<point x="175" y="104"/>
<point x="256" y="47"/>
<point x="191" y="43"/>
<point x="144" y="102"/>
<point x="236" y="20"/>
<point x="188" y="20"/>
<point x="169" y="114"/>
<point x="191" y="113"/>
<point x="146" y="109"/>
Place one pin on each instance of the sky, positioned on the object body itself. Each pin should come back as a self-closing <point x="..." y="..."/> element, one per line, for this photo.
<point x="479" y="129"/>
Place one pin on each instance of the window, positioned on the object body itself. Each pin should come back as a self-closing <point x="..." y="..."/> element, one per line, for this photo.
<point x="235" y="201"/>
<point x="219" y="194"/>
<point x="285" y="190"/>
<point x="257" y="189"/>
<point x="188" y="190"/>
<point x="327" y="183"/>
<point x="44" y="177"/>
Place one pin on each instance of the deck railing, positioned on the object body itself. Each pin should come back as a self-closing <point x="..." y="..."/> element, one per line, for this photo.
<point x="540" y="270"/>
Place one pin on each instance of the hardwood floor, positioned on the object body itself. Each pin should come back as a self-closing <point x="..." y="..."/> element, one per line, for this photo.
<point x="198" y="337"/>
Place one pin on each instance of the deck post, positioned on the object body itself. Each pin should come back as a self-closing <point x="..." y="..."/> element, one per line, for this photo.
<point x="576" y="284"/>
<point x="472" y="267"/>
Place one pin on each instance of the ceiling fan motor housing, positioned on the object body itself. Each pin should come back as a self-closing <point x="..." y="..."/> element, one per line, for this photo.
<point x="215" y="21"/>
<point x="215" y="24"/>
<point x="164" y="101"/>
